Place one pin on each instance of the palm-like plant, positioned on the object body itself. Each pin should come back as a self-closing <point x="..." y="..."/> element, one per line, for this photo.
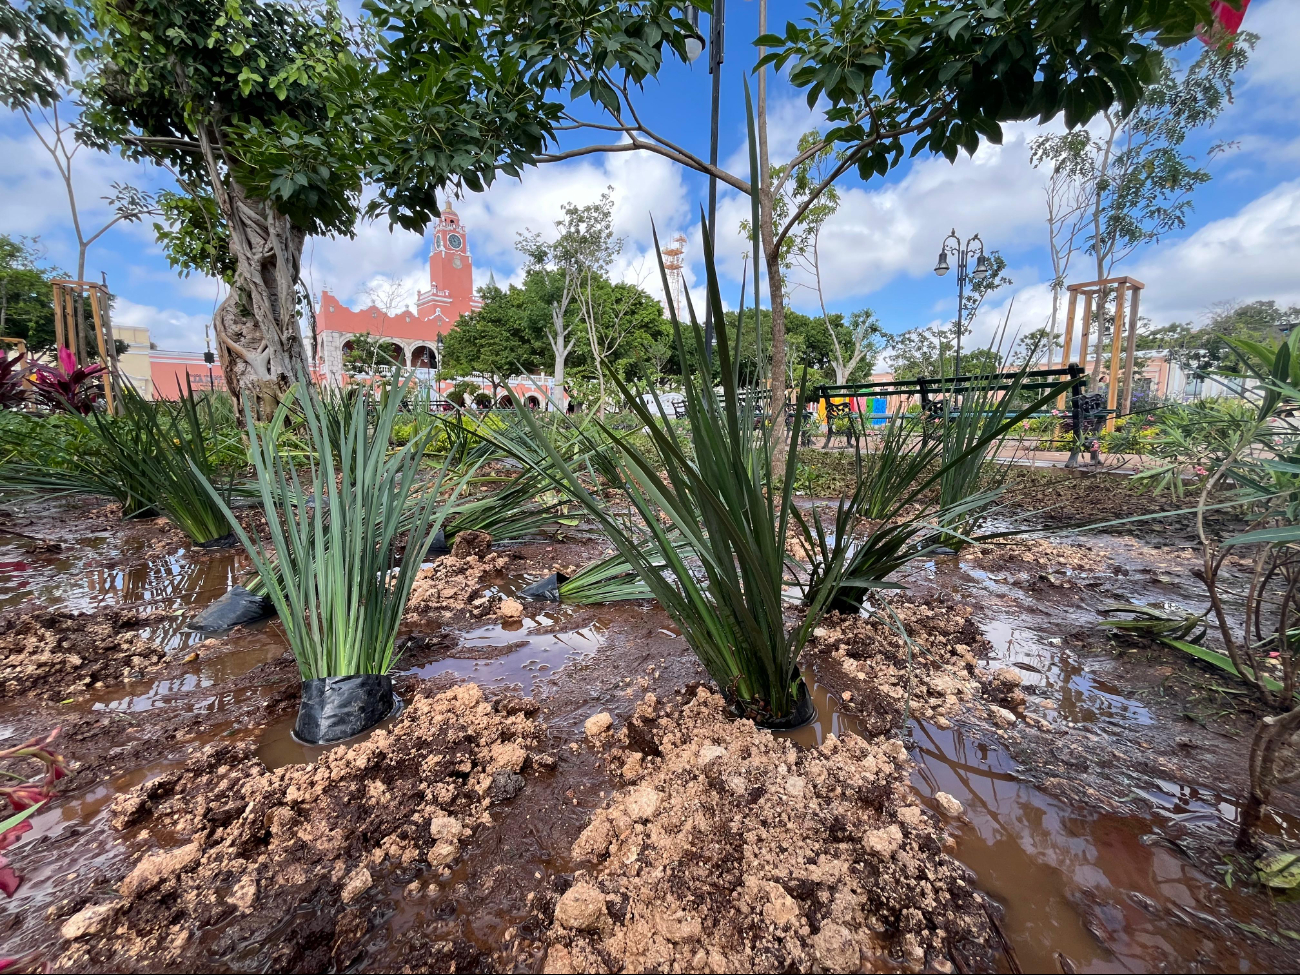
<point x="710" y="543"/>
<point x="143" y="458"/>
<point x="329" y="560"/>
<point x="14" y="371"/>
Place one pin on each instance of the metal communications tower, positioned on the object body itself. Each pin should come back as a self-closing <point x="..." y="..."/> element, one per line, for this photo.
<point x="674" y="261"/>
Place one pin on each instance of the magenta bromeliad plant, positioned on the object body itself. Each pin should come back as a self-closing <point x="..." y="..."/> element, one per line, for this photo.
<point x="25" y="796"/>
<point x="13" y="374"/>
<point x="67" y="386"/>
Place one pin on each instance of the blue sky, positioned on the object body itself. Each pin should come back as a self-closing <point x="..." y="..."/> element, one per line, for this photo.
<point x="1242" y="242"/>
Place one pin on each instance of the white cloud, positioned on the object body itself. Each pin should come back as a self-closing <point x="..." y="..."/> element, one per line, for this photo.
<point x="169" y="329"/>
<point x="1251" y="255"/>
<point x="644" y="186"/>
<point x="895" y="230"/>
<point x="1272" y="65"/>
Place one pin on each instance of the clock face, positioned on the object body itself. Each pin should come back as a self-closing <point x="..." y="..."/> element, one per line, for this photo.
<point x="454" y="241"/>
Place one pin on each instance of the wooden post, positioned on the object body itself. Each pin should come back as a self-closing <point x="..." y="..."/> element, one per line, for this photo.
<point x="1112" y="394"/>
<point x="1069" y="340"/>
<point x="115" y="368"/>
<point x="1132" y="350"/>
<point x="103" y="351"/>
<point x="59" y="338"/>
<point x="1086" y="326"/>
<point x="77" y="341"/>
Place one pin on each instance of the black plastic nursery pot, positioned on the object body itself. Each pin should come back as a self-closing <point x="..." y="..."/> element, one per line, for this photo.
<point x="334" y="709"/>
<point x="228" y="540"/>
<point x="547" y="589"/>
<point x="804" y="712"/>
<point x="234" y="608"/>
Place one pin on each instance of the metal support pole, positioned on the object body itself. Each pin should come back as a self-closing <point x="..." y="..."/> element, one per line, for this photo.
<point x="961" y="300"/>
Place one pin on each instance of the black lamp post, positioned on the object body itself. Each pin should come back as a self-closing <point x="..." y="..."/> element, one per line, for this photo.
<point x="952" y="245"/>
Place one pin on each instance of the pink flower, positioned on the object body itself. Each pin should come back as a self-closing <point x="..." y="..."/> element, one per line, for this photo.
<point x="1201" y="471"/>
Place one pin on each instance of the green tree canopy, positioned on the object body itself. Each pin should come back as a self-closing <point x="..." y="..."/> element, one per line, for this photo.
<point x="509" y="333"/>
<point x="26" y="296"/>
<point x="273" y="115"/>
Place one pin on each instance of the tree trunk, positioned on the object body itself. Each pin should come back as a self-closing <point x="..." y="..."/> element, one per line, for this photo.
<point x="261" y="347"/>
<point x="767" y="237"/>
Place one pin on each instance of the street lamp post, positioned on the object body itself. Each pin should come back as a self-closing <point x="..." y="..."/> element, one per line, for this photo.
<point x="961" y="253"/>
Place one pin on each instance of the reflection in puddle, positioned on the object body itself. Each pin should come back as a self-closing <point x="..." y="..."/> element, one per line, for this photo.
<point x="530" y="657"/>
<point x="1053" y="674"/>
<point x="277" y="746"/>
<point x="257" y="645"/>
<point x="95" y="572"/>
<point x="1105" y="892"/>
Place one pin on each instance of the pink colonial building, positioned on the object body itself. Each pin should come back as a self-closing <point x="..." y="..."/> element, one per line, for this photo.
<point x="417" y="334"/>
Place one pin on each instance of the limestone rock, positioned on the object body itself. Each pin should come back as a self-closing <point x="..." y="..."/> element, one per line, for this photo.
<point x="88" y="920"/>
<point x="582" y="908"/>
<point x="598" y="724"/>
<point x="154" y="869"/>
<point x="642" y="804"/>
<point x="949" y="806"/>
<point x="357" y="884"/>
<point x="835" y="948"/>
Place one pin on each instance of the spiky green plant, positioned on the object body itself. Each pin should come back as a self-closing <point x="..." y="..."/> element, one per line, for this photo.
<point x="145" y="458"/>
<point x="710" y="544"/>
<point x="613" y="579"/>
<point x="895" y="479"/>
<point x="329" y="560"/>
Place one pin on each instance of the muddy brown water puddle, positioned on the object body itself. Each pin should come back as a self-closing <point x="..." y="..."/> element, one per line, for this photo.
<point x="1106" y="892"/>
<point x="1109" y="893"/>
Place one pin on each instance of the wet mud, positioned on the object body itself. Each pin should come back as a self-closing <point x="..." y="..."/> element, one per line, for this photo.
<point x="1084" y="789"/>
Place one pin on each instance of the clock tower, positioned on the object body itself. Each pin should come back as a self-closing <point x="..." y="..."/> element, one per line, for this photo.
<point x="451" y="269"/>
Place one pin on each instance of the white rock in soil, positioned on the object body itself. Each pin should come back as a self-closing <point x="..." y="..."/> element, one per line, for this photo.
<point x="948" y="805"/>
<point x="444" y="828"/>
<point x="709" y="752"/>
<point x="357" y="884"/>
<point x="582" y="908"/>
<point x="885" y="842"/>
<point x="642" y="804"/>
<point x="1001" y="716"/>
<point x="835" y="948"/>
<point x="88" y="920"/>
<point x="598" y="724"/>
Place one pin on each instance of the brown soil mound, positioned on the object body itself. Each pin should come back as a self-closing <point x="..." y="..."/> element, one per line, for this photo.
<point x="452" y="586"/>
<point x="865" y="661"/>
<point x="735" y="852"/>
<point x="56" y="655"/>
<point x="290" y="870"/>
<point x="1040" y="555"/>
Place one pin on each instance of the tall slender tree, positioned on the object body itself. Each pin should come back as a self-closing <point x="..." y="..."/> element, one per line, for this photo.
<point x="1130" y="170"/>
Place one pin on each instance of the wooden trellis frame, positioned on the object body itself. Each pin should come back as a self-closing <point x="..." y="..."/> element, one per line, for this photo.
<point x="67" y="294"/>
<point x="1094" y="293"/>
